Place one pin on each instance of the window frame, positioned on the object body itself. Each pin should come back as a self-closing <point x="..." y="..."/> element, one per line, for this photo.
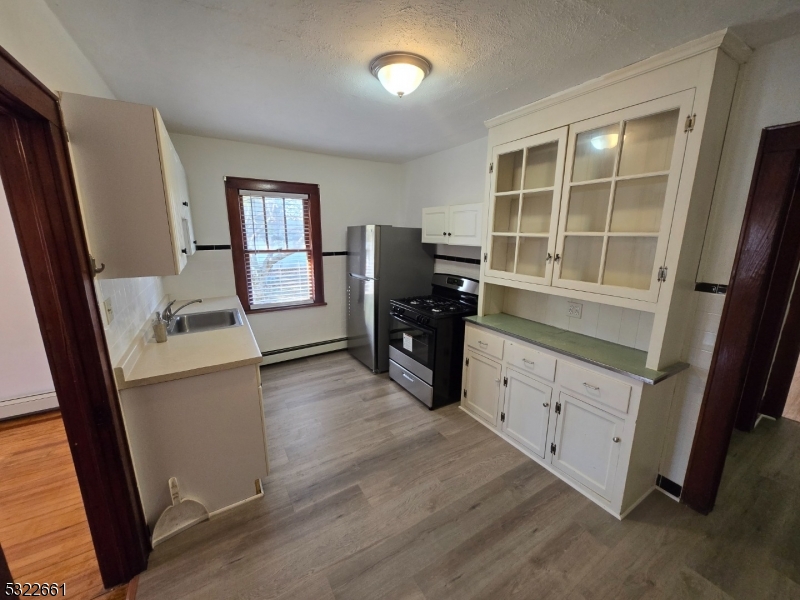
<point x="232" y="187"/>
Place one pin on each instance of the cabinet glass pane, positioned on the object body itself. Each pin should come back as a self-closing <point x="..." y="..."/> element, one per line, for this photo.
<point x="630" y="261"/>
<point x="532" y="258"/>
<point x="506" y="214"/>
<point x="638" y="204"/>
<point x="540" y="166"/>
<point x="595" y="151"/>
<point x="509" y="171"/>
<point x="588" y="207"/>
<point x="581" y="258"/>
<point x="503" y="249"/>
<point x="536" y="212"/>
<point x="647" y="144"/>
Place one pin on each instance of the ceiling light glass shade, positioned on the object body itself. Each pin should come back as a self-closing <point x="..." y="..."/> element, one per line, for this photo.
<point x="603" y="142"/>
<point x="399" y="72"/>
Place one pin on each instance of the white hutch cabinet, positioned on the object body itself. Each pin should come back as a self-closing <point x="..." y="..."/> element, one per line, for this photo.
<point x="131" y="185"/>
<point x="601" y="194"/>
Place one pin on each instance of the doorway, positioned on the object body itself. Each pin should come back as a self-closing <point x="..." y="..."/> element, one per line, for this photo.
<point x="753" y="364"/>
<point x="40" y="191"/>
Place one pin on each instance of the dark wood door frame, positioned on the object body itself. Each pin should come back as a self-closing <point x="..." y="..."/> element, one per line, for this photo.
<point x="40" y="189"/>
<point x="765" y="257"/>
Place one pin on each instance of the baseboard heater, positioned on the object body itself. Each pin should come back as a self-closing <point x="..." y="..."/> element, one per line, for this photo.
<point x="303" y="347"/>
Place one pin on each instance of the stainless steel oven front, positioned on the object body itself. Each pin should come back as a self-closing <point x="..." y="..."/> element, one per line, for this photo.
<point x="412" y="346"/>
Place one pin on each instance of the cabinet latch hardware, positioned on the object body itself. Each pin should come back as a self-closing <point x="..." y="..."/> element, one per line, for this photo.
<point x="505" y="381"/>
<point x="485" y="255"/>
<point x="467" y="362"/>
<point x="558" y="408"/>
<point x="690" y="119"/>
<point x="491" y="167"/>
<point x="662" y="273"/>
<point x="558" y="257"/>
<point x="185" y="203"/>
<point x="502" y="417"/>
<point x="95" y="269"/>
<point x="465" y="392"/>
<point x="552" y="448"/>
<point x="549" y="257"/>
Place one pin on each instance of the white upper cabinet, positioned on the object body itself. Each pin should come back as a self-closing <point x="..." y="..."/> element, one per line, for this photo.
<point x="523" y="216"/>
<point x="457" y="225"/>
<point x="621" y="183"/>
<point x="131" y="185"/>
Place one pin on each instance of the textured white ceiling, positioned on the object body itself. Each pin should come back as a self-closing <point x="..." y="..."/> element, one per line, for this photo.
<point x="294" y="73"/>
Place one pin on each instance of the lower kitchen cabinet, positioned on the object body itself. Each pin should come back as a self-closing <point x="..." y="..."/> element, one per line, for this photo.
<point x="600" y="431"/>
<point x="482" y="392"/>
<point x="586" y="444"/>
<point x="526" y="411"/>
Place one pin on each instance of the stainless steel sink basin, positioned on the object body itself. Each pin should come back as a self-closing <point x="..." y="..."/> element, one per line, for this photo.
<point x="205" y="321"/>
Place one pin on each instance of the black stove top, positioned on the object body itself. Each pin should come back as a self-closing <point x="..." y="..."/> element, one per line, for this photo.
<point x="434" y="306"/>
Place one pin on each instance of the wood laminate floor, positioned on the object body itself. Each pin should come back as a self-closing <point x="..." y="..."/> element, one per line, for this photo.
<point x="373" y="496"/>
<point x="43" y="528"/>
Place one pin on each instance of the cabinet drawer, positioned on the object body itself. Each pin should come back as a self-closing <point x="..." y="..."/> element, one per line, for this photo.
<point x="531" y="361"/>
<point x="594" y="386"/>
<point x="483" y="341"/>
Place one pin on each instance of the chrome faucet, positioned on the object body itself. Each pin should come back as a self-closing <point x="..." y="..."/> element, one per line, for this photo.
<point x="169" y="314"/>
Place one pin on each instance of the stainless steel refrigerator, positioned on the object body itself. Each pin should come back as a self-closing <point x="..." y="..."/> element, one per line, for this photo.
<point x="383" y="262"/>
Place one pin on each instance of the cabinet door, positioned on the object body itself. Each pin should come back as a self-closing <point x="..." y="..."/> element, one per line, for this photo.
<point x="482" y="387"/>
<point x="173" y="174"/>
<point x="523" y="218"/>
<point x="586" y="444"/>
<point x="435" y="225"/>
<point x="466" y="225"/>
<point x="526" y="411"/>
<point x="620" y="190"/>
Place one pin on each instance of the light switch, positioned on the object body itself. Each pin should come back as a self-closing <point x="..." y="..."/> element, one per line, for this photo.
<point x="108" y="309"/>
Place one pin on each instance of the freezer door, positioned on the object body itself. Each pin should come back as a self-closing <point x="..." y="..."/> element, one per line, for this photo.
<point x="363" y="242"/>
<point x="361" y="320"/>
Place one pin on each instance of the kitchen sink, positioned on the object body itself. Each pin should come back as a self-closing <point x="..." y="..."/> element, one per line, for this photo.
<point x="205" y="321"/>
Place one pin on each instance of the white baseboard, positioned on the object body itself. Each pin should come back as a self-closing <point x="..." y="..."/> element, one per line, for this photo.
<point x="16" y="407"/>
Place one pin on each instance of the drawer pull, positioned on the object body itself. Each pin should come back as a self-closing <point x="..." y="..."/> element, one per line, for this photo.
<point x="411" y="379"/>
<point x="594" y="388"/>
<point x="480" y="343"/>
<point x="615" y="439"/>
<point x="545" y="404"/>
<point x="528" y="362"/>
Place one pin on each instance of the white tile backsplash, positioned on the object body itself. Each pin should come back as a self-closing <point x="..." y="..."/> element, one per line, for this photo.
<point x="697" y="351"/>
<point x="133" y="301"/>
<point x="624" y="326"/>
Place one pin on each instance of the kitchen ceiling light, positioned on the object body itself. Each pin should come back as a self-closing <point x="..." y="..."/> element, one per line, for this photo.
<point x="604" y="142"/>
<point x="400" y="72"/>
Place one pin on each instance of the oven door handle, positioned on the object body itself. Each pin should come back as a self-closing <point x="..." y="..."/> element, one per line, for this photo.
<point x="414" y="324"/>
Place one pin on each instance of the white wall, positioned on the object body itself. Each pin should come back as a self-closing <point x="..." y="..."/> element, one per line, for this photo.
<point x="33" y="35"/>
<point x="23" y="363"/>
<point x="767" y="93"/>
<point x="352" y="192"/>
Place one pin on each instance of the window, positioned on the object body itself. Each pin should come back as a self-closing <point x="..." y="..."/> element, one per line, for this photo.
<point x="276" y="243"/>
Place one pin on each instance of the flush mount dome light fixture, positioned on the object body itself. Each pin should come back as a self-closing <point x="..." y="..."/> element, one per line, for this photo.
<point x="400" y="72"/>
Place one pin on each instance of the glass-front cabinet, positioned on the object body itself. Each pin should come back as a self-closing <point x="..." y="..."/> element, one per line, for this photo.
<point x="600" y="219"/>
<point x="523" y="218"/>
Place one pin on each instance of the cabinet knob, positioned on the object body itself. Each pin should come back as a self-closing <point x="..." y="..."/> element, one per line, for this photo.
<point x="558" y="257"/>
<point x="497" y="380"/>
<point x="186" y="204"/>
<point x="615" y="439"/>
<point x="449" y="234"/>
<point x="549" y="257"/>
<point x="444" y="233"/>
<point x="183" y="250"/>
<point x="545" y="404"/>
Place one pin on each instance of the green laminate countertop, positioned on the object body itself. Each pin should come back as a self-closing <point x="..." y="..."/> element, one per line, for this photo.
<point x="615" y="357"/>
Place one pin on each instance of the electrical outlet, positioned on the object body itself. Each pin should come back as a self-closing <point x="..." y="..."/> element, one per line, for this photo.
<point x="108" y="308"/>
<point x="574" y="309"/>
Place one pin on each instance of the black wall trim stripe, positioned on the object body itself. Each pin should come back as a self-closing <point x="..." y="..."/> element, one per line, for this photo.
<point x="669" y="486"/>
<point x="469" y="261"/>
<point x="334" y="253"/>
<point x="711" y="288"/>
<point x="303" y="347"/>
<point x="212" y="247"/>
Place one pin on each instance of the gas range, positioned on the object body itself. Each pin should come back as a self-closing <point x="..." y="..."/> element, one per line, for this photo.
<point x="426" y="339"/>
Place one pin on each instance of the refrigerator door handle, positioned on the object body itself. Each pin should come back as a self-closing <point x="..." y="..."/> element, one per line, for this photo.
<point x="362" y="278"/>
